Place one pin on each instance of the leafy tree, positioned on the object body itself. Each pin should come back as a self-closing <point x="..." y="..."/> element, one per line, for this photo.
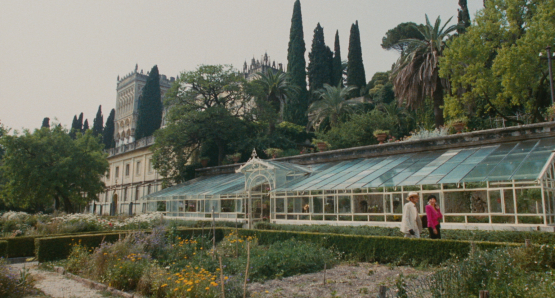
<point x="79" y="126"/>
<point x="355" y="68"/>
<point x="98" y="122"/>
<point x="48" y="166"/>
<point x="496" y="61"/>
<point x="320" y="62"/>
<point x="337" y="67"/>
<point x="416" y="73"/>
<point x="45" y="122"/>
<point x="74" y="127"/>
<point x="150" y="106"/>
<point x="394" y="38"/>
<point x="206" y="106"/>
<point x="296" y="68"/>
<point x="380" y="89"/>
<point x="108" y="133"/>
<point x="331" y="106"/>
<point x="275" y="91"/>
<point x="86" y="125"/>
<point x="463" y="17"/>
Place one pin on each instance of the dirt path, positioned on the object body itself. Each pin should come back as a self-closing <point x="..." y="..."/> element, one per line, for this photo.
<point x="56" y="285"/>
<point x="362" y="280"/>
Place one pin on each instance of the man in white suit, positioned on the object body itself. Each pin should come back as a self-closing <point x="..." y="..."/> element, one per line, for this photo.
<point x="411" y="225"/>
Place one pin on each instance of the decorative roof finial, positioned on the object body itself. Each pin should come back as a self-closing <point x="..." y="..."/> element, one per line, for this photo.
<point x="136" y="67"/>
<point x="254" y="155"/>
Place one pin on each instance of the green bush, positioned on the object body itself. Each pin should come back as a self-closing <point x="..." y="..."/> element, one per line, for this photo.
<point x="3" y="249"/>
<point x="536" y="237"/>
<point x="15" y="284"/>
<point x="381" y="249"/>
<point x="56" y="248"/>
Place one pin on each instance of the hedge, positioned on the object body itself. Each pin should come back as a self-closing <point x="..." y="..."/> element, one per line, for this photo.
<point x="536" y="237"/>
<point x="383" y="249"/>
<point x="56" y="248"/>
<point x="3" y="249"/>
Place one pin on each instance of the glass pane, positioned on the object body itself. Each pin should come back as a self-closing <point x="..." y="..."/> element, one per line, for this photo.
<point x="398" y="203"/>
<point x="379" y="169"/>
<point x="280" y="205"/>
<point x="457" y="202"/>
<point x="387" y="203"/>
<point x="509" y="201"/>
<point x="372" y="203"/>
<point x="495" y="205"/>
<point x="482" y="170"/>
<point x="529" y="201"/>
<point x="305" y="204"/>
<point x="317" y="205"/>
<point x="458" y="173"/>
<point x="344" y="204"/>
<point x="290" y="205"/>
<point x="228" y="205"/>
<point x="330" y="205"/>
<point x="191" y="205"/>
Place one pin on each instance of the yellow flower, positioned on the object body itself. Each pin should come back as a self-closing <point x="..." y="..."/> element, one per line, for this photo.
<point x="207" y="288"/>
<point x="164" y="285"/>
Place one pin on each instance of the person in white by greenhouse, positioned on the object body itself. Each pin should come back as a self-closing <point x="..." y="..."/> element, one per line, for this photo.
<point x="411" y="225"/>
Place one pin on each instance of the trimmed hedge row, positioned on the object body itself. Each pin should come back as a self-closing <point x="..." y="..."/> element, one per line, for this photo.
<point x="536" y="237"/>
<point x="381" y="249"/>
<point x="3" y="249"/>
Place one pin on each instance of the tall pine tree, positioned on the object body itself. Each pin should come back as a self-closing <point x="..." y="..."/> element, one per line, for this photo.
<point x="45" y="122"/>
<point x="296" y="109"/>
<point x="463" y="17"/>
<point x="337" y="69"/>
<point x="150" y="106"/>
<point x="86" y="125"/>
<point x="98" y="122"/>
<point x="79" y="126"/>
<point x="108" y="133"/>
<point x="320" y="62"/>
<point x="355" y="69"/>
<point x="74" y="127"/>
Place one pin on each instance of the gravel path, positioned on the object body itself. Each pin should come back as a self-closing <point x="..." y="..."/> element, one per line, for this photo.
<point x="56" y="285"/>
<point x="360" y="280"/>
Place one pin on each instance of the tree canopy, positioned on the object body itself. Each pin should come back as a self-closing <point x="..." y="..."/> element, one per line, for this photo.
<point x="337" y="67"/>
<point x="98" y="122"/>
<point x="150" y="106"/>
<point x="47" y="166"/>
<point x="108" y="133"/>
<point x="394" y="38"/>
<point x="495" y="68"/>
<point x="320" y="62"/>
<point x="355" y="68"/>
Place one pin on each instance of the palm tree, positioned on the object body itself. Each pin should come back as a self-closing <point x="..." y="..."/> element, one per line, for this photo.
<point x="416" y="74"/>
<point x="276" y="89"/>
<point x="332" y="105"/>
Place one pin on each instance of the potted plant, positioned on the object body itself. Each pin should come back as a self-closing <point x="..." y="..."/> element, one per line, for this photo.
<point x="459" y="123"/>
<point x="273" y="152"/>
<point x="234" y="157"/>
<point x="204" y="161"/>
<point x="320" y="144"/>
<point x="381" y="135"/>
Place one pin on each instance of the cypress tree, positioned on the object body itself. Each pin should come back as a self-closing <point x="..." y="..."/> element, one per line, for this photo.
<point x="150" y="106"/>
<point x="337" y="70"/>
<point x="45" y="122"/>
<point x="355" y="68"/>
<point x="463" y="17"/>
<point x="74" y="125"/>
<point x="86" y="125"/>
<point x="297" y="108"/>
<point x="80" y="122"/>
<point x="320" y="62"/>
<point x="97" y="122"/>
<point x="108" y="133"/>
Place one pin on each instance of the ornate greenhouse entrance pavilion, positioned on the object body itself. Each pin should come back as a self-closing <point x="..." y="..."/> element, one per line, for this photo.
<point x="494" y="179"/>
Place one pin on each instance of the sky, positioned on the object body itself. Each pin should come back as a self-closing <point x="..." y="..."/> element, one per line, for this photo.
<point x="59" y="58"/>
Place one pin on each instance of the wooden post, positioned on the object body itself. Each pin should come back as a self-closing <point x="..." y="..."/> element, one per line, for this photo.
<point x="236" y="240"/>
<point x="484" y="294"/>
<point x="527" y="242"/>
<point x="324" y="274"/>
<point x="213" y="234"/>
<point x="382" y="292"/>
<point x="247" y="270"/>
<point x="222" y="277"/>
<point x="472" y="248"/>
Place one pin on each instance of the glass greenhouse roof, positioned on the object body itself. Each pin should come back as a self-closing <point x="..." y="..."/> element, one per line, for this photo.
<point x="503" y="162"/>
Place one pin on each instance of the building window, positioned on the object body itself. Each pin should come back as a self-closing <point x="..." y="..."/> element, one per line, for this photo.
<point x="117" y="172"/>
<point x="125" y="194"/>
<point x="108" y="174"/>
<point x="138" y="168"/>
<point x="148" y="190"/>
<point x="127" y="170"/>
<point x="137" y="194"/>
<point x="150" y="165"/>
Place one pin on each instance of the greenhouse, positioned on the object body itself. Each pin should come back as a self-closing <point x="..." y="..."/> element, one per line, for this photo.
<point x="493" y="186"/>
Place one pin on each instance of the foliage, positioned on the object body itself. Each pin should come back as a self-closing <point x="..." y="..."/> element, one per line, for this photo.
<point x="332" y="104"/>
<point x="3" y="249"/>
<point x="98" y="122"/>
<point x="108" y="132"/>
<point x="320" y="63"/>
<point x="422" y="133"/>
<point x="494" y="68"/>
<point x="86" y="125"/>
<point x="395" y="39"/>
<point x="15" y="284"/>
<point x="337" y="67"/>
<point x="416" y="72"/>
<point x="296" y="69"/>
<point x="48" y="166"/>
<point x="206" y="105"/>
<point x="463" y="17"/>
<point x="273" y="152"/>
<point x="150" y="106"/>
<point x="59" y="247"/>
<point x="380" y="89"/>
<point x="45" y="122"/>
<point x="355" y="68"/>
<point x="509" y="272"/>
<point x="380" y="131"/>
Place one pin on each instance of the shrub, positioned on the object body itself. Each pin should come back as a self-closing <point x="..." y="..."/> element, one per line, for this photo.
<point x="56" y="248"/>
<point x="3" y="249"/>
<point x="13" y="283"/>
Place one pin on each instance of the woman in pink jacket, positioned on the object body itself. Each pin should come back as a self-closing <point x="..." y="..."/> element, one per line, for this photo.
<point x="433" y="214"/>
